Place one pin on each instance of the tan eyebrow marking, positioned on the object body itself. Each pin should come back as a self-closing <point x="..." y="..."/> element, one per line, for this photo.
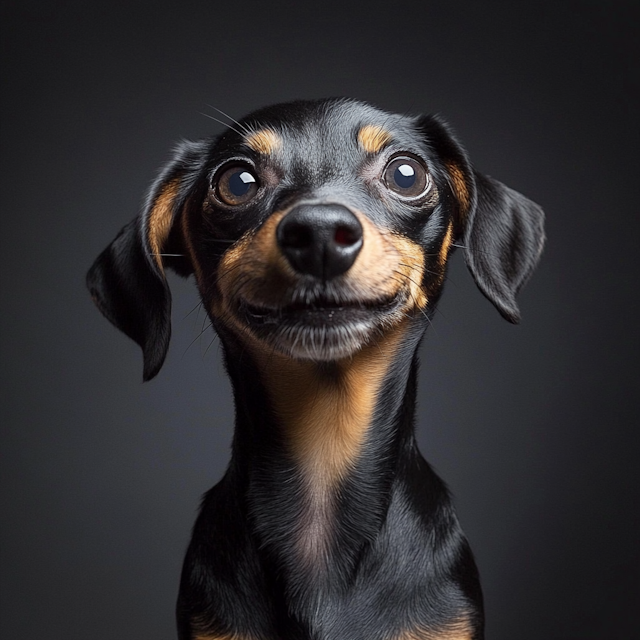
<point x="373" y="138"/>
<point x="265" y="141"/>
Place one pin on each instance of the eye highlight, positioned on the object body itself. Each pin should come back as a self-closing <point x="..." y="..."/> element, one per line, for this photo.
<point x="236" y="185"/>
<point x="406" y="177"/>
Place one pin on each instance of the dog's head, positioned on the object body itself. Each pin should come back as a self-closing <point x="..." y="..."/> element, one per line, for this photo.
<point x="313" y="227"/>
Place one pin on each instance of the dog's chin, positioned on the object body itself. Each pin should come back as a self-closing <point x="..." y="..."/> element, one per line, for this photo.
<point x="321" y="344"/>
<point x="321" y="334"/>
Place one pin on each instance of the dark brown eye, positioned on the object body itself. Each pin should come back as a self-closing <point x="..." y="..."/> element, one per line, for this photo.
<point x="407" y="177"/>
<point x="236" y="185"/>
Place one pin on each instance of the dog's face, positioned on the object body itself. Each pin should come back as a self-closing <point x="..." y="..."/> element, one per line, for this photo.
<point x="339" y="227"/>
<point x="313" y="228"/>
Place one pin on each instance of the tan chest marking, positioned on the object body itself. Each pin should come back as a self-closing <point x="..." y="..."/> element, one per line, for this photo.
<point x="325" y="419"/>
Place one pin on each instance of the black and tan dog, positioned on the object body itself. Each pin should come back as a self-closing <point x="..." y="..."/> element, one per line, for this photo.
<point x="319" y="234"/>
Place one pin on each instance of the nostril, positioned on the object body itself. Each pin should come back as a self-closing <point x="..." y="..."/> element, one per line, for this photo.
<point x="347" y="236"/>
<point x="296" y="235"/>
<point x="320" y="240"/>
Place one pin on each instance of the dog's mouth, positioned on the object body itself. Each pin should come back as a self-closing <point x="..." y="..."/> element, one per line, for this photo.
<point x="320" y="311"/>
<point x="321" y="327"/>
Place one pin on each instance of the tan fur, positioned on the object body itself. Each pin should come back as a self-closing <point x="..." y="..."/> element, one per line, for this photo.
<point x="457" y="630"/>
<point x="253" y="269"/>
<point x="460" y="189"/>
<point x="446" y="245"/>
<point x="373" y="138"/>
<point x="160" y="218"/>
<point x="265" y="141"/>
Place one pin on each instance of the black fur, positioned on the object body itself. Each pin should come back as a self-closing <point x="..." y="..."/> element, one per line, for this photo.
<point x="397" y="561"/>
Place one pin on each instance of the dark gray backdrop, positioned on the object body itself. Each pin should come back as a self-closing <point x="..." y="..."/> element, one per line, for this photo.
<point x="534" y="427"/>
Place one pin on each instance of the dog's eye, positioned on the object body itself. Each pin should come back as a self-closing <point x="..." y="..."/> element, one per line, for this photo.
<point x="407" y="177"/>
<point x="236" y="185"/>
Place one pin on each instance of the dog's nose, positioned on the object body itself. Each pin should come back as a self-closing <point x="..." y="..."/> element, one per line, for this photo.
<point x="320" y="240"/>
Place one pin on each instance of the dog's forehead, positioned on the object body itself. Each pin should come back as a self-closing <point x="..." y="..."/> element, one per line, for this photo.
<point x="324" y="130"/>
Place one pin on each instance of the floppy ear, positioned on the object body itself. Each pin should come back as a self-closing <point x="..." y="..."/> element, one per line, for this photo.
<point x="504" y="237"/>
<point x="127" y="281"/>
<point x="502" y="231"/>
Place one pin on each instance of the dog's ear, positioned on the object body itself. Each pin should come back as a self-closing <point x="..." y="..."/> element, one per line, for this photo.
<point x="127" y="281"/>
<point x="503" y="238"/>
<point x="501" y="230"/>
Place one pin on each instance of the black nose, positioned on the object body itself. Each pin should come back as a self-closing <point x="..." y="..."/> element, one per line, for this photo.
<point x="320" y="240"/>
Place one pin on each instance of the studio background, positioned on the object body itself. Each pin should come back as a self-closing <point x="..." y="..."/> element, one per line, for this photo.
<point x="534" y="427"/>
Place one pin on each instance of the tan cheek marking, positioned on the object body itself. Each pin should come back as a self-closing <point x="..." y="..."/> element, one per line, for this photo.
<point x="387" y="263"/>
<point x="254" y="266"/>
<point x="265" y="141"/>
<point x="412" y="270"/>
<point x="460" y="189"/>
<point x="160" y="219"/>
<point x="374" y="268"/>
<point x="373" y="138"/>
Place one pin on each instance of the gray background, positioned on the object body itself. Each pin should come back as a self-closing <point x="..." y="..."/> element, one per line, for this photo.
<point x="534" y="427"/>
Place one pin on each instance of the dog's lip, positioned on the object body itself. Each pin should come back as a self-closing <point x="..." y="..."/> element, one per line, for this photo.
<point x="319" y="308"/>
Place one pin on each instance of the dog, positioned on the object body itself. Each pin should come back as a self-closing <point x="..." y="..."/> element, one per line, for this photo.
<point x="319" y="234"/>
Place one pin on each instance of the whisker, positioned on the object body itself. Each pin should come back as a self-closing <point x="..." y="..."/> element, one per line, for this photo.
<point x="192" y="310"/>
<point x="413" y="298"/>
<point x="215" y="337"/>
<point x="433" y="273"/>
<point x="226" y="115"/>
<point x="223" y="123"/>
<point x="204" y="329"/>
<point x="167" y="255"/>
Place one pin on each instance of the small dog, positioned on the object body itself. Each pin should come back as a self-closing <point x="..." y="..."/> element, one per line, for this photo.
<point x="319" y="234"/>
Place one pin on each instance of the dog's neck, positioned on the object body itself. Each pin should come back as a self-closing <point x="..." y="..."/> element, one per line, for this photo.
<point x="317" y="447"/>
